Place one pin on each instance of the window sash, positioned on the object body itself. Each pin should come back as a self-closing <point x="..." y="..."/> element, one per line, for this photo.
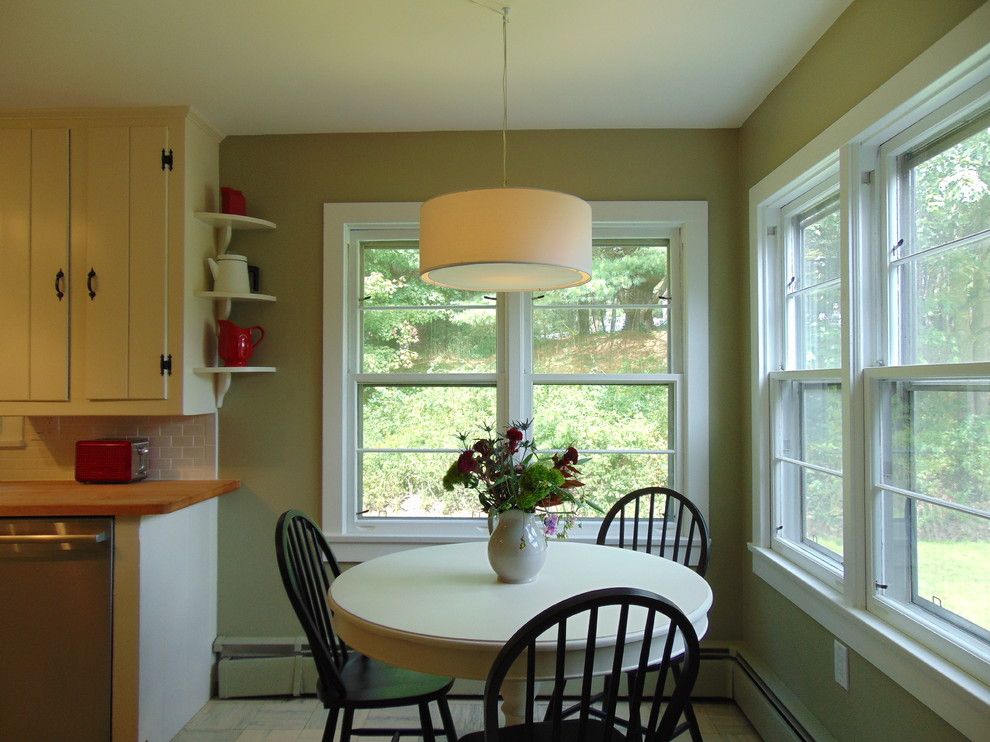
<point x="787" y="475"/>
<point x="811" y="204"/>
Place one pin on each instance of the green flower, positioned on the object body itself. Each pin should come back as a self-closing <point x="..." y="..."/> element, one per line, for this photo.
<point x="540" y="481"/>
<point x="454" y="476"/>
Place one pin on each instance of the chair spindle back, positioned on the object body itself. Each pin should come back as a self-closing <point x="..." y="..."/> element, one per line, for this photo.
<point x="301" y="548"/>
<point x="661" y="519"/>
<point x="589" y="607"/>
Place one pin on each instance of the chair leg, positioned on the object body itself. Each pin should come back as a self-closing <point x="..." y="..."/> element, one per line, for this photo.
<point x="692" y="723"/>
<point x="448" y="720"/>
<point x="635" y="724"/>
<point x="331" y="728"/>
<point x="348" y="724"/>
<point x="692" y="720"/>
<point x="426" y="723"/>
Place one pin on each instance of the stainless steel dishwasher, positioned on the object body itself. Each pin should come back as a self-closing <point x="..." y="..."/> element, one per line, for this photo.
<point x="56" y="588"/>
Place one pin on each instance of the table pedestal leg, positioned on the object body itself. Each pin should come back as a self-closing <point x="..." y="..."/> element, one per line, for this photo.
<point x="514" y="701"/>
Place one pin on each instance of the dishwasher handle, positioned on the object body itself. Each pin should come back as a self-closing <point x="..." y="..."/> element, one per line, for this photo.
<point x="56" y="538"/>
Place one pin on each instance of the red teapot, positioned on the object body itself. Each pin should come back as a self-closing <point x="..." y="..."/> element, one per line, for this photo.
<point x="237" y="344"/>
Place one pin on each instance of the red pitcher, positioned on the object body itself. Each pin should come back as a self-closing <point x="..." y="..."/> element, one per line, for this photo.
<point x="237" y="343"/>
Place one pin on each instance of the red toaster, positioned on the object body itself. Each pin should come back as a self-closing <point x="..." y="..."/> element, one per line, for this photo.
<point x="112" y="460"/>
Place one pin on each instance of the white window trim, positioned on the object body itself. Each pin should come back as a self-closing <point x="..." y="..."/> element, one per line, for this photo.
<point x="688" y="218"/>
<point x="956" y="62"/>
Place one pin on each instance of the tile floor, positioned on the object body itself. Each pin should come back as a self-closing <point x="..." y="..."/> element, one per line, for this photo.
<point x="302" y="720"/>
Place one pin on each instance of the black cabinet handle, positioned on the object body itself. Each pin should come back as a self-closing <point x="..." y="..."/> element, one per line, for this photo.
<point x="89" y="283"/>
<point x="59" y="283"/>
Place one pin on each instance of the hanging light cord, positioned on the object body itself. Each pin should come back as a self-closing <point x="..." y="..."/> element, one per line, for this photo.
<point x="505" y="92"/>
<point x="504" y="12"/>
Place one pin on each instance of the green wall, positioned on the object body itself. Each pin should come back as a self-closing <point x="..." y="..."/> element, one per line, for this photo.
<point x="270" y="426"/>
<point x="867" y="44"/>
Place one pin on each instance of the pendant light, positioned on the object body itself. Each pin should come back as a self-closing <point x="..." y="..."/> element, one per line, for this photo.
<point x="505" y="239"/>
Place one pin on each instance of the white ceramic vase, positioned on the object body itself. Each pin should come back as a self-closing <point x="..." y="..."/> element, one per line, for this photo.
<point x="517" y="546"/>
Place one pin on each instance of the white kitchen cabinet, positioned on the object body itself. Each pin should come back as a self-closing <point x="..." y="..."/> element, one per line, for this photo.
<point x="126" y="203"/>
<point x="134" y="258"/>
<point x="34" y="259"/>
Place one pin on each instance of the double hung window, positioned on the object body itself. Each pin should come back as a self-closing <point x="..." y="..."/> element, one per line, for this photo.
<point x="602" y="376"/>
<point x="603" y="367"/>
<point x="929" y="404"/>
<point x="875" y="364"/>
<point x="805" y="387"/>
<point x="425" y="368"/>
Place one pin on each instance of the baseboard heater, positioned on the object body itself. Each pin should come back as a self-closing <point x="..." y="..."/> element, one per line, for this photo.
<point x="283" y="666"/>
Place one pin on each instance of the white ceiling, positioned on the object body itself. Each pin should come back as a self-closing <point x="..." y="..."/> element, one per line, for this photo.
<point x="290" y="66"/>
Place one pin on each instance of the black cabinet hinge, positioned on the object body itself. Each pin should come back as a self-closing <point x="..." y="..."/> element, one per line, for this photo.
<point x="167" y="159"/>
<point x="166" y="364"/>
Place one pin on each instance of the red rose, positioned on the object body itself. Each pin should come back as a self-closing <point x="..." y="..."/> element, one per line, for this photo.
<point x="466" y="463"/>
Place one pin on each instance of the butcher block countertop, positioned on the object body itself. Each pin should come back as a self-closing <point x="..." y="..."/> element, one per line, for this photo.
<point x="69" y="498"/>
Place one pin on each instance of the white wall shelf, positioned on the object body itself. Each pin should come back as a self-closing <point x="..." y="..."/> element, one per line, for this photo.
<point x="225" y="299"/>
<point x="227" y="223"/>
<point x="224" y="374"/>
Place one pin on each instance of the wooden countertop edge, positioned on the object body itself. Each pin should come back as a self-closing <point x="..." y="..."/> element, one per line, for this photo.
<point x="208" y="490"/>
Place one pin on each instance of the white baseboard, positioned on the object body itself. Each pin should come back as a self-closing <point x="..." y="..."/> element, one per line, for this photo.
<point x="281" y="666"/>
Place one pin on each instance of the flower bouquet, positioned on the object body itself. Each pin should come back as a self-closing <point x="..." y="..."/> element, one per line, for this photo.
<point x="508" y="474"/>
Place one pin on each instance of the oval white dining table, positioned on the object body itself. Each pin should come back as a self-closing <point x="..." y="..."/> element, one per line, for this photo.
<point x="441" y="609"/>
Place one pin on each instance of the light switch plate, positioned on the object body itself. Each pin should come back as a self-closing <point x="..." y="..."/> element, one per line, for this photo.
<point x="841" y="654"/>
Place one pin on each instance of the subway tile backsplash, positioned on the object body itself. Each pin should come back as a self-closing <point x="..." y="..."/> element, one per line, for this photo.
<point x="181" y="447"/>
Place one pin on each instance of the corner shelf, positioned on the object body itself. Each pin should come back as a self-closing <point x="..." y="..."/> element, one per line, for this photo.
<point x="225" y="299"/>
<point x="227" y="223"/>
<point x="223" y="375"/>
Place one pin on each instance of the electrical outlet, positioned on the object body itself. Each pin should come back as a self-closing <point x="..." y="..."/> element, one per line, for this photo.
<point x="841" y="654"/>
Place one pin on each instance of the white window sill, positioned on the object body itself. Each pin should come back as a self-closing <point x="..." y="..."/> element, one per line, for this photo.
<point x="959" y="698"/>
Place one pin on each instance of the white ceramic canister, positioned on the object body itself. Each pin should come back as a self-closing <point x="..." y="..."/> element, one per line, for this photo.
<point x="230" y="274"/>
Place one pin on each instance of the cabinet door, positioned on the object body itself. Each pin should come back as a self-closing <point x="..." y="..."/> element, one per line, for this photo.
<point x="15" y="263"/>
<point x="49" y="264"/>
<point x="127" y="250"/>
<point x="148" y="263"/>
<point x="34" y="254"/>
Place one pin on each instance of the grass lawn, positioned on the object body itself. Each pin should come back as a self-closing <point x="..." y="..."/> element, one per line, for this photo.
<point x="958" y="573"/>
<point x="955" y="572"/>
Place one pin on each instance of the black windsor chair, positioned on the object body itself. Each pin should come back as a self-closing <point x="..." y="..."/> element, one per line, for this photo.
<point x="589" y="610"/>
<point x="656" y="520"/>
<point x="348" y="680"/>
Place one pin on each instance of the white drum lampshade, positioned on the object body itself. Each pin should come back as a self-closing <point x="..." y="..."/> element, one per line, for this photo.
<point x="505" y="239"/>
